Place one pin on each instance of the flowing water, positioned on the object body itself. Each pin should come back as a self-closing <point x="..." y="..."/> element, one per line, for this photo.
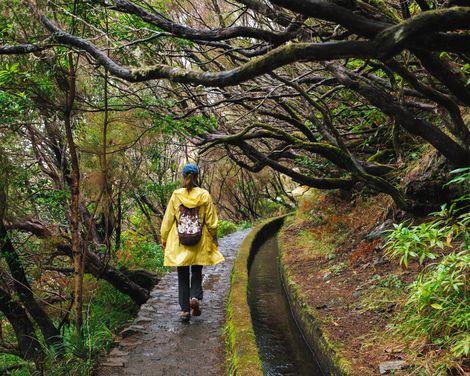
<point x="282" y="348"/>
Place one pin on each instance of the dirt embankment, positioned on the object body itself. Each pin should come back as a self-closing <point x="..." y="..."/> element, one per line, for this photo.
<point x="332" y="252"/>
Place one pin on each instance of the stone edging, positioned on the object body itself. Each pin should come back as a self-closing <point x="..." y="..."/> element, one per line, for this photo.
<point x="243" y="357"/>
<point x="310" y="324"/>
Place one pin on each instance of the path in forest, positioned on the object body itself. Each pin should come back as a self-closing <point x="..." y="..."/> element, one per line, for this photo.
<point x="157" y="344"/>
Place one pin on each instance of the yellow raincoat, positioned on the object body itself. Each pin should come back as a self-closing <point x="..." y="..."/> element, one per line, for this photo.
<point x="205" y="252"/>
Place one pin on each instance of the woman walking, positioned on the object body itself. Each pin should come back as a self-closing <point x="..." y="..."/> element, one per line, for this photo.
<point x="189" y="238"/>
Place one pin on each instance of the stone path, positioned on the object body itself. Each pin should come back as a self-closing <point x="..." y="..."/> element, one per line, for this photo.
<point x="157" y="344"/>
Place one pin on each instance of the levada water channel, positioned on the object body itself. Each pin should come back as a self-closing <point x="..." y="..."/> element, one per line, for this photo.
<point x="281" y="346"/>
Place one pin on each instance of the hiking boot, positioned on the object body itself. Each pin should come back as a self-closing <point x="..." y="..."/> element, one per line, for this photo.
<point x="195" y="307"/>
<point x="185" y="316"/>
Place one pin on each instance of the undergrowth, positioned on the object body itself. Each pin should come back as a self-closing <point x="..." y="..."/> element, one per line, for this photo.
<point x="435" y="319"/>
<point x="140" y="252"/>
<point x="106" y="312"/>
<point x="225" y="228"/>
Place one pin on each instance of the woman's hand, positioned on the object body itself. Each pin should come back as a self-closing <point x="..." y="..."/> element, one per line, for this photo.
<point x="163" y="245"/>
<point x="215" y="240"/>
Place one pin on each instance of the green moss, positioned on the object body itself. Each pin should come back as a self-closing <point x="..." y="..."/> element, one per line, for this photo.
<point x="386" y="9"/>
<point x="243" y="357"/>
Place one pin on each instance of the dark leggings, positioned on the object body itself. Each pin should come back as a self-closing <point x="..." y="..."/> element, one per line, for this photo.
<point x="185" y="290"/>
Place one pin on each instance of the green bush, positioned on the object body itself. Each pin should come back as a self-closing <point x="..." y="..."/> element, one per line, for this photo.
<point x="269" y="208"/>
<point x="416" y="241"/>
<point x="111" y="307"/>
<point x="245" y="225"/>
<point x="10" y="360"/>
<point x="140" y="252"/>
<point x="225" y="228"/>
<point x="420" y="241"/>
<point x="107" y="311"/>
<point x="438" y="307"/>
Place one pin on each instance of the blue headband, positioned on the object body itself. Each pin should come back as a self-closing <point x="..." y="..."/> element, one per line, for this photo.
<point x="190" y="168"/>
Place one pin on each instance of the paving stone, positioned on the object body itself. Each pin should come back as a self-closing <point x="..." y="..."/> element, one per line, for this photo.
<point x="130" y="342"/>
<point x="131" y="330"/>
<point x="113" y="363"/>
<point x="141" y="320"/>
<point x="116" y="352"/>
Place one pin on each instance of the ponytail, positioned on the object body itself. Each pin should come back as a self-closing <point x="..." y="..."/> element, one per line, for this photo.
<point x="190" y="181"/>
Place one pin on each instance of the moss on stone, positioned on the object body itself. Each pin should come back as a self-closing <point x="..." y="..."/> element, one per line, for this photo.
<point x="243" y="357"/>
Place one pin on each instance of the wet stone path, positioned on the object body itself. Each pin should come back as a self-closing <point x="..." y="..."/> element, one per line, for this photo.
<point x="157" y="344"/>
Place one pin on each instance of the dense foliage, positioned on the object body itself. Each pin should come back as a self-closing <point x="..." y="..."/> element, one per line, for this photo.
<point x="438" y="306"/>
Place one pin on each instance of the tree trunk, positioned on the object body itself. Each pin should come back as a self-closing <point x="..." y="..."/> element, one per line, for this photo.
<point x="24" y="290"/>
<point x="117" y="244"/>
<point x="118" y="279"/>
<point x="28" y="343"/>
<point x="115" y="277"/>
<point x="75" y="196"/>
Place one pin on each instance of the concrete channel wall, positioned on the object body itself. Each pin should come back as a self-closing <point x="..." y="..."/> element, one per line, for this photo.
<point x="243" y="357"/>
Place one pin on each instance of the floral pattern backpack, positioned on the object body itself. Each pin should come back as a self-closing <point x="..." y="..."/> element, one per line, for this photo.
<point x="189" y="225"/>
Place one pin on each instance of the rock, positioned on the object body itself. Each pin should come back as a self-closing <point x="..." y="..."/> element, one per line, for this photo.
<point x="116" y="353"/>
<point x="133" y="329"/>
<point x="147" y="307"/>
<point x="129" y="342"/>
<point x="142" y="319"/>
<point x="392" y="365"/>
<point x="153" y="300"/>
<point x="377" y="231"/>
<point x="378" y="261"/>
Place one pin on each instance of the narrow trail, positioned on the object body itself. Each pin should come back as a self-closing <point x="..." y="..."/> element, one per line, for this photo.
<point x="157" y="344"/>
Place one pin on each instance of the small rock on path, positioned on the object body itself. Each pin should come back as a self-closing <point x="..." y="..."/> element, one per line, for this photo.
<point x="158" y="344"/>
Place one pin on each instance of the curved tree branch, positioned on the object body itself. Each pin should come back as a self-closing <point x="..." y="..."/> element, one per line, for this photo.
<point x="166" y="24"/>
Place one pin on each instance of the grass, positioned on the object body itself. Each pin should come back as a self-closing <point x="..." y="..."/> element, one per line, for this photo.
<point x="7" y="360"/>
<point x="379" y="299"/>
<point x="107" y="311"/>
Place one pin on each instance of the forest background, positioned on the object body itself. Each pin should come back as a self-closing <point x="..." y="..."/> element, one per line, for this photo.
<point x="103" y="101"/>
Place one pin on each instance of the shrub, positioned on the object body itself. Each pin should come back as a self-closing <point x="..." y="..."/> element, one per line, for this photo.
<point x="140" y="252"/>
<point x="417" y="241"/>
<point x="244" y="225"/>
<point x="225" y="228"/>
<point x="438" y="307"/>
<point x="106" y="311"/>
